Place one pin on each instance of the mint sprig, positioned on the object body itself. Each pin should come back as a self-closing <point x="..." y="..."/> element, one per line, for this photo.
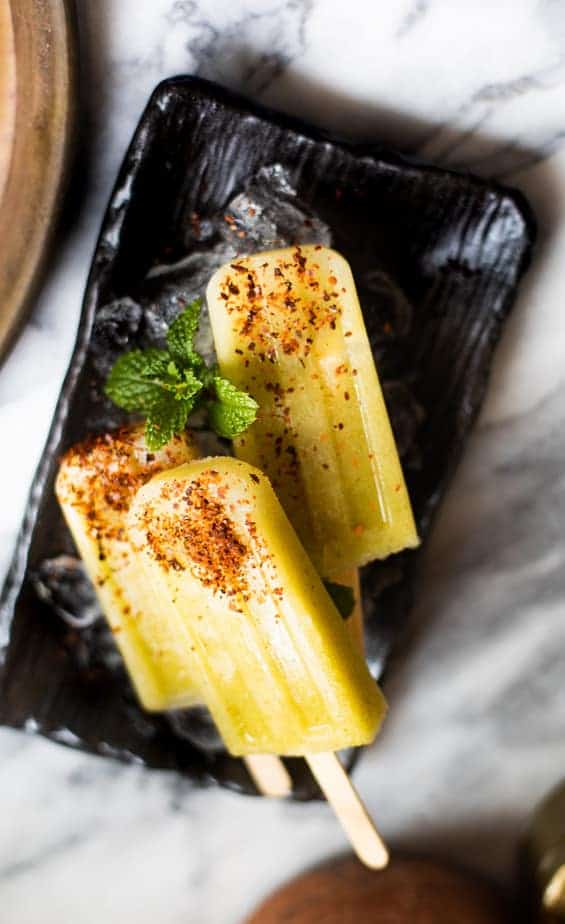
<point x="167" y="386"/>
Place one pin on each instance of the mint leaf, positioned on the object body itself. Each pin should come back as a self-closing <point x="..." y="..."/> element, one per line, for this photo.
<point x="180" y="336"/>
<point x="233" y="410"/>
<point x="133" y="383"/>
<point x="165" y="419"/>
<point x="173" y="371"/>
<point x="166" y="386"/>
<point x="188" y="386"/>
<point x="156" y="362"/>
<point x="141" y="379"/>
<point x="343" y="598"/>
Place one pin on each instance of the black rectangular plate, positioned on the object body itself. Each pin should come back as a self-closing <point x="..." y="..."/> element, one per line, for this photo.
<point x="449" y="250"/>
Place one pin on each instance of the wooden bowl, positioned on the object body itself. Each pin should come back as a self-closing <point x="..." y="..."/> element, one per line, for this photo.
<point x="37" y="61"/>
<point x="411" y="890"/>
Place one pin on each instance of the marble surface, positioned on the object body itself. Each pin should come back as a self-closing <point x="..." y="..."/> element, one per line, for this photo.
<point x="476" y="734"/>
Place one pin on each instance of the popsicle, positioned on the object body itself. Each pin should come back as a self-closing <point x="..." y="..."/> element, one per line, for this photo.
<point x="96" y="483"/>
<point x="268" y="771"/>
<point x="288" y="328"/>
<point x="271" y="656"/>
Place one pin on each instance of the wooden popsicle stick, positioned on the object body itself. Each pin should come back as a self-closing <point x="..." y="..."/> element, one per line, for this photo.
<point x="352" y="814"/>
<point x="269" y="775"/>
<point x="554" y="893"/>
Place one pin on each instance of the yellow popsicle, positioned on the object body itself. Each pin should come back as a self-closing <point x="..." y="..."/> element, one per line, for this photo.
<point x="96" y="483"/>
<point x="288" y="328"/>
<point x="121" y="462"/>
<point x="272" y="657"/>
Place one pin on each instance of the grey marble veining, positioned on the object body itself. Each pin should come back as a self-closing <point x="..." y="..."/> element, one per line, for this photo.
<point x="245" y="46"/>
<point x="475" y="734"/>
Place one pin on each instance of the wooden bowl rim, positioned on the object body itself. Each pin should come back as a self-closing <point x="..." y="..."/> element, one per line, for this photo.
<point x="43" y="40"/>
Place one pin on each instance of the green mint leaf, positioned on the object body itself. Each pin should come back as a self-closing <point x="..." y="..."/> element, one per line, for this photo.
<point x="180" y="335"/>
<point x="133" y="383"/>
<point x="194" y="361"/>
<point x="343" y="598"/>
<point x="156" y="362"/>
<point x="189" y="385"/>
<point x="173" y="371"/>
<point x="165" y="419"/>
<point x="166" y="386"/>
<point x="233" y="411"/>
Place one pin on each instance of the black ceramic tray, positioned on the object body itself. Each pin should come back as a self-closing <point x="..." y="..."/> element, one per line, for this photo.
<point x="437" y="257"/>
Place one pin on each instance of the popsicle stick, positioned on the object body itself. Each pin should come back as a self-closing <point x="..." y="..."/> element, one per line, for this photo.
<point x="554" y="894"/>
<point x="269" y="775"/>
<point x="352" y="814"/>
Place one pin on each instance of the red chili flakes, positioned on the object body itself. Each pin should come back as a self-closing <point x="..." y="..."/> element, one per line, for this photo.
<point x="290" y="346"/>
<point x="261" y="310"/>
<point x="101" y="475"/>
<point x="203" y="534"/>
<point x="299" y="259"/>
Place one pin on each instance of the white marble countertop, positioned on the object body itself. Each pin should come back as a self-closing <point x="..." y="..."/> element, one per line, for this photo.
<point x="475" y="734"/>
